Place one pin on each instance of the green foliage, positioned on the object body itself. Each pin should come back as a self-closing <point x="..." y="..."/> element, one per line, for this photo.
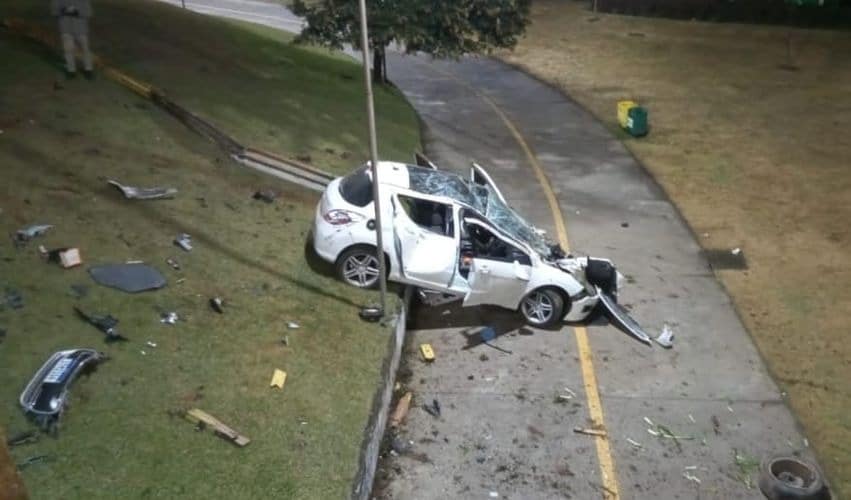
<point x="442" y="28"/>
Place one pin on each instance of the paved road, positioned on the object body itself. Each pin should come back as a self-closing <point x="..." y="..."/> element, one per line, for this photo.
<point x="501" y="430"/>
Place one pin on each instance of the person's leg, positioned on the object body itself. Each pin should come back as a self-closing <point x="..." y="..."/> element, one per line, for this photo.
<point x="68" y="48"/>
<point x="83" y="40"/>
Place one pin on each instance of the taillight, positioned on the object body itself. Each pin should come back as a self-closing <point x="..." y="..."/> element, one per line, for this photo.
<point x="340" y="217"/>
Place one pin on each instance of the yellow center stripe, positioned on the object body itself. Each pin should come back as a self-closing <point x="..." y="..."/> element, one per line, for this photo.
<point x="586" y="361"/>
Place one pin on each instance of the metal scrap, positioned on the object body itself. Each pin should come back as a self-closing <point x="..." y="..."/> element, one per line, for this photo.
<point x="27" y="233"/>
<point x="137" y="193"/>
<point x="184" y="241"/>
<point x="169" y="318"/>
<point x="106" y="324"/>
<point x="666" y="338"/>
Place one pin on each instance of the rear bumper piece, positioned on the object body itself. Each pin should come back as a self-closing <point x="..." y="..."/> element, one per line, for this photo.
<point x="621" y="318"/>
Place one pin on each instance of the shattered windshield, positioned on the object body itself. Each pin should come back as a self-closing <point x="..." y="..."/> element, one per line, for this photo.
<point x="482" y="199"/>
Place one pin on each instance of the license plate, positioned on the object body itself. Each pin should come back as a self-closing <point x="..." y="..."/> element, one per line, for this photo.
<point x="58" y="372"/>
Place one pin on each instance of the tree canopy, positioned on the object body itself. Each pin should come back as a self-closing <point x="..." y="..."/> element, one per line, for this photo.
<point x="442" y="28"/>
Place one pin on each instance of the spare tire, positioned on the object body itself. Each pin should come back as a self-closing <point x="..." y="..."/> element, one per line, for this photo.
<point x="790" y="478"/>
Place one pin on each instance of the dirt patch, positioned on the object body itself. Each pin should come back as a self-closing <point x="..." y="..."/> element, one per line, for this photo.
<point x="755" y="156"/>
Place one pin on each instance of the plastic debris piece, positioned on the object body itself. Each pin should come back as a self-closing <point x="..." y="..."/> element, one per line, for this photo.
<point x="27" y="233"/>
<point x="736" y="251"/>
<point x="691" y="418"/>
<point x="634" y="443"/>
<point x="691" y="477"/>
<point x="427" y="352"/>
<point x="150" y="344"/>
<point x="401" y="410"/>
<point x="266" y="195"/>
<point x="590" y="432"/>
<point x="279" y="378"/>
<point x="371" y="313"/>
<point x="621" y="318"/>
<point x="292" y="325"/>
<point x="130" y="278"/>
<point x="666" y="338"/>
<point x="136" y="193"/>
<point x="106" y="324"/>
<point x="493" y="494"/>
<point x="184" y="241"/>
<point x="218" y="305"/>
<point x="169" y="318"/>
<point x="173" y="264"/>
<point x="70" y="258"/>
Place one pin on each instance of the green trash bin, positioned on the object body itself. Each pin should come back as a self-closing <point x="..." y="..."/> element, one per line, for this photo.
<point x="636" y="122"/>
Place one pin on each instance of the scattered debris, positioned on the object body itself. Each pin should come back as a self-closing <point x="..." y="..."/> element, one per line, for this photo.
<point x="292" y="325"/>
<point x="661" y="431"/>
<point x="624" y="224"/>
<point x="792" y="478"/>
<point x="266" y="195"/>
<point x="184" y="241"/>
<point x="218" y="305"/>
<point x="169" y="318"/>
<point x="634" y="443"/>
<point x="488" y="334"/>
<point x="371" y="313"/>
<point x="401" y="446"/>
<point x="493" y="494"/>
<point x="203" y="419"/>
<point x="590" y="432"/>
<point x="691" y="419"/>
<point x="401" y="410"/>
<point x="666" y="338"/>
<point x="285" y="340"/>
<point x="433" y="409"/>
<point x="691" y="477"/>
<point x="45" y="395"/>
<point x="716" y="424"/>
<point x="32" y="460"/>
<point x="736" y="251"/>
<point x="105" y="324"/>
<point x="136" y="193"/>
<point x="427" y="352"/>
<point x="130" y="278"/>
<point x="747" y="465"/>
<point x="13" y="299"/>
<point x="21" y="438"/>
<point x="279" y="378"/>
<point x="173" y="264"/>
<point x="26" y="234"/>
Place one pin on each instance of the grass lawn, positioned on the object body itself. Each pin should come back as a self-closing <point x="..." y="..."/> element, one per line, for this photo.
<point x="749" y="137"/>
<point x="62" y="139"/>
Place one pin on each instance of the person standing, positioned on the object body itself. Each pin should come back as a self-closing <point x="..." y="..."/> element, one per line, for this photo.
<point x="73" y="16"/>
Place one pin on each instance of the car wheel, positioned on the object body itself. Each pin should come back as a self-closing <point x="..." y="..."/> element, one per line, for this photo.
<point x="358" y="266"/>
<point x="542" y="308"/>
<point x="790" y="478"/>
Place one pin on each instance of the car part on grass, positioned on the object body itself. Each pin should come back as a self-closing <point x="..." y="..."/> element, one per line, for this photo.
<point x="130" y="278"/>
<point x="45" y="395"/>
<point x="427" y="352"/>
<point x="791" y="478"/>
<point x="292" y="325"/>
<point x="279" y="378"/>
<point x="203" y="420"/>
<point x="621" y="318"/>
<point x="27" y="233"/>
<point x="371" y="313"/>
<point x="22" y="438"/>
<point x="184" y="241"/>
<point x="172" y="263"/>
<point x="107" y="324"/>
<point x="65" y="257"/>
<point x="401" y="410"/>
<point x="137" y="193"/>
<point x="12" y="298"/>
<point x="666" y="337"/>
<point x="218" y="305"/>
<point x="169" y="318"/>
<point x="266" y="195"/>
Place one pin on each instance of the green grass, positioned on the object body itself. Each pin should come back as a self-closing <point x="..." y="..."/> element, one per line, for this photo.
<point x="58" y="147"/>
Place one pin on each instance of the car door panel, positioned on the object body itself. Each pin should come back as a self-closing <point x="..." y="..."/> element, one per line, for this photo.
<point x="478" y="175"/>
<point x="501" y="282"/>
<point x="425" y="258"/>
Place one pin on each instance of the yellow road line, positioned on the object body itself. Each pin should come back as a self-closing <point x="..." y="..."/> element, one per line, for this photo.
<point x="586" y="361"/>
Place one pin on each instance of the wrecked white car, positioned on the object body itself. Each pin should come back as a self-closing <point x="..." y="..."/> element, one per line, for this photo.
<point x="454" y="239"/>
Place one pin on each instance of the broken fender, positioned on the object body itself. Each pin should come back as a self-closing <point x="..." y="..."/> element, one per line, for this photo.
<point x="621" y="318"/>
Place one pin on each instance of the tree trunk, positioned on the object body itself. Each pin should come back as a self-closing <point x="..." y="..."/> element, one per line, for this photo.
<point x="379" y="65"/>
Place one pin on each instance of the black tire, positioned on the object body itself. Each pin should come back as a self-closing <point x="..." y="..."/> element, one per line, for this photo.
<point x="543" y="308"/>
<point x="358" y="266"/>
<point x="790" y="478"/>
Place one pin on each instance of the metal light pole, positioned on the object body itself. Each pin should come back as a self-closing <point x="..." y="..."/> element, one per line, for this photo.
<point x="373" y="153"/>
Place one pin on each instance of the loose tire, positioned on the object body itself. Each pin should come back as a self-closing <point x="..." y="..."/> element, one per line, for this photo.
<point x="543" y="308"/>
<point x="358" y="266"/>
<point x="790" y="478"/>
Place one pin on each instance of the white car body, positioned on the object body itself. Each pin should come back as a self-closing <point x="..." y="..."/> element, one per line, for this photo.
<point x="452" y="238"/>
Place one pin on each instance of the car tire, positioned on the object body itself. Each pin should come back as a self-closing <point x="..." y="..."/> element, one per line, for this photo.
<point x="358" y="266"/>
<point x="543" y="308"/>
<point x="790" y="478"/>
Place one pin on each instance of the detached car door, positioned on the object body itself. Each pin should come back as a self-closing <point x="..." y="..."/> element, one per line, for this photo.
<point x="425" y="239"/>
<point x="500" y="270"/>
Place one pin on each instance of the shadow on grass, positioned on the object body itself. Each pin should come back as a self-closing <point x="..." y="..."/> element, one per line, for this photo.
<point x="50" y="166"/>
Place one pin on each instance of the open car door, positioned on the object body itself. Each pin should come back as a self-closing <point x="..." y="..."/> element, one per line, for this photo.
<point x="479" y="176"/>
<point x="500" y="270"/>
<point x="425" y="241"/>
<point x="422" y="160"/>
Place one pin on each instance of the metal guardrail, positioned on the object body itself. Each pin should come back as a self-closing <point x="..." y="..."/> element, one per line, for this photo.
<point x="283" y="168"/>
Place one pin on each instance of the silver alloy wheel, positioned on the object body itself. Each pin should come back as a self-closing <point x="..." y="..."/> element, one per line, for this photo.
<point x="538" y="307"/>
<point x="361" y="269"/>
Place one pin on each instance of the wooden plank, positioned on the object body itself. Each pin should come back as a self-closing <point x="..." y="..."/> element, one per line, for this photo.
<point x="196" y="415"/>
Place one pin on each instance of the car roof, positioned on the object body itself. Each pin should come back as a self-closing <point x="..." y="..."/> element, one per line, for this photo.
<point x="439" y="183"/>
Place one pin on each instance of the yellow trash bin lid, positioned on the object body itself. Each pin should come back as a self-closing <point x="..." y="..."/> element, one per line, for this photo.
<point x="623" y="111"/>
